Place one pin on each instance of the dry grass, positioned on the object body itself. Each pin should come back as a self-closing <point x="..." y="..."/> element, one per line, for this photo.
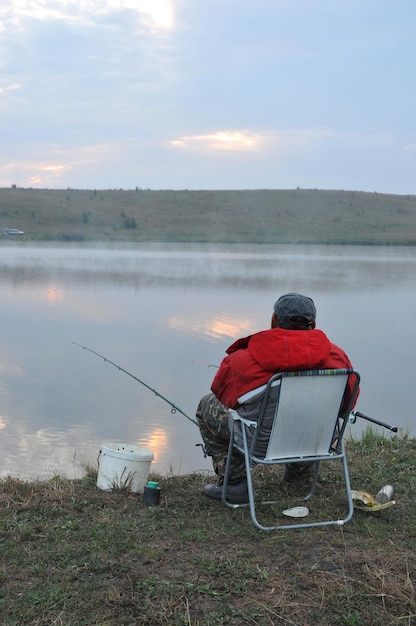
<point x="262" y="216"/>
<point x="75" y="555"/>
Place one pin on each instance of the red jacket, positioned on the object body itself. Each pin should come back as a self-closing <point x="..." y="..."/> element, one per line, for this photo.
<point x="252" y="360"/>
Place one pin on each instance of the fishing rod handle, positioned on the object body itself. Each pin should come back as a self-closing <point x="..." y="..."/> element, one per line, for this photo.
<point x="356" y="414"/>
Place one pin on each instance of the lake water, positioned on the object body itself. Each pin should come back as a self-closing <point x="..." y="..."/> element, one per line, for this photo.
<point x="166" y="313"/>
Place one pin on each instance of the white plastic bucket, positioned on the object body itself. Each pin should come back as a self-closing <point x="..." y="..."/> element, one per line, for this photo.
<point x="123" y="466"/>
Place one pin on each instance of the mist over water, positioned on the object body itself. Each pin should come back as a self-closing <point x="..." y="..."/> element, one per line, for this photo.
<point x="167" y="314"/>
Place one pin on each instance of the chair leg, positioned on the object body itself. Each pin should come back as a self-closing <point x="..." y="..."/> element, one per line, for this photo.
<point x="252" y="504"/>
<point x="347" y="486"/>
<point x="251" y="501"/>
<point x="314" y="481"/>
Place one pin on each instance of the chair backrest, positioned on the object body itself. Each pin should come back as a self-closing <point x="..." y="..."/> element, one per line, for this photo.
<point x="299" y="413"/>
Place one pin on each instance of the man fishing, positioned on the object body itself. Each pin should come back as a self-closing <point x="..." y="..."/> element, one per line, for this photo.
<point x="292" y="343"/>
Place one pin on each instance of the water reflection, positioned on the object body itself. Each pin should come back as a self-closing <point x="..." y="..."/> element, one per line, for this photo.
<point x="167" y="314"/>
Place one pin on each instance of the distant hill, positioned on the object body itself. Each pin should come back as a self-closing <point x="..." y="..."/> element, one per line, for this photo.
<point x="259" y="216"/>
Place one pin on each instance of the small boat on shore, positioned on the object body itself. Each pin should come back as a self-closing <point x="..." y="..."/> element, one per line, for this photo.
<point x="10" y="232"/>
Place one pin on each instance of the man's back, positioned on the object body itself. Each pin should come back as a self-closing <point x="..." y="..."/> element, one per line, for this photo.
<point x="251" y="361"/>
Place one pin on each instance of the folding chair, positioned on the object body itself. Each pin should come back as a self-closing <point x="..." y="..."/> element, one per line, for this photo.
<point x="296" y="417"/>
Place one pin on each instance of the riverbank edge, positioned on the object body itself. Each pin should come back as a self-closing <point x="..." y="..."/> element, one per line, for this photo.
<point x="77" y="555"/>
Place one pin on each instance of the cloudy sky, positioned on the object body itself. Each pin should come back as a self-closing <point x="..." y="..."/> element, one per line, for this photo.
<point x="208" y="94"/>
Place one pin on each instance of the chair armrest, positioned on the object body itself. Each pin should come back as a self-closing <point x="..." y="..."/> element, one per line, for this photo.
<point x="237" y="418"/>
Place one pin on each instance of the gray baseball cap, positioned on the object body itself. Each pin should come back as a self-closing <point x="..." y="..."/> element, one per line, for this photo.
<point x="294" y="305"/>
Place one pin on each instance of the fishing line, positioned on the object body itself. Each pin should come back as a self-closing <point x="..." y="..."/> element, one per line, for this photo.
<point x="174" y="407"/>
<point x="205" y="364"/>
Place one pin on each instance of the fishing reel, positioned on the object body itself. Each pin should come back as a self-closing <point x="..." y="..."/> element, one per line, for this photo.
<point x="205" y="450"/>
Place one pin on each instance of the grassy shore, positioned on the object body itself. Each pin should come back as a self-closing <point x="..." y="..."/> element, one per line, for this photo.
<point x="73" y="555"/>
<point x="239" y="216"/>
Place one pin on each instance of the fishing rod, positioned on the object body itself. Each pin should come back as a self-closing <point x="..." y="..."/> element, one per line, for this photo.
<point x="355" y="414"/>
<point x="174" y="406"/>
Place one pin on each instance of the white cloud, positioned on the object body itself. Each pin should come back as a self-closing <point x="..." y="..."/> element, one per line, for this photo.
<point x="251" y="141"/>
<point x="55" y="164"/>
<point x="229" y="140"/>
<point x="186" y="94"/>
<point x="9" y="88"/>
<point x="160" y="12"/>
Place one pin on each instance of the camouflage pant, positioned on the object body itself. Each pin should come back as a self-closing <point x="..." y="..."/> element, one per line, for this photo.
<point x="212" y="418"/>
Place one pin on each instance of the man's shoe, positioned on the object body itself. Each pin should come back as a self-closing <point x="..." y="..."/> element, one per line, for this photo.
<point x="237" y="493"/>
<point x="298" y="471"/>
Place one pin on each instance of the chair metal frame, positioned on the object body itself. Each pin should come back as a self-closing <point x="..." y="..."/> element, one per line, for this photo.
<point x="298" y="401"/>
